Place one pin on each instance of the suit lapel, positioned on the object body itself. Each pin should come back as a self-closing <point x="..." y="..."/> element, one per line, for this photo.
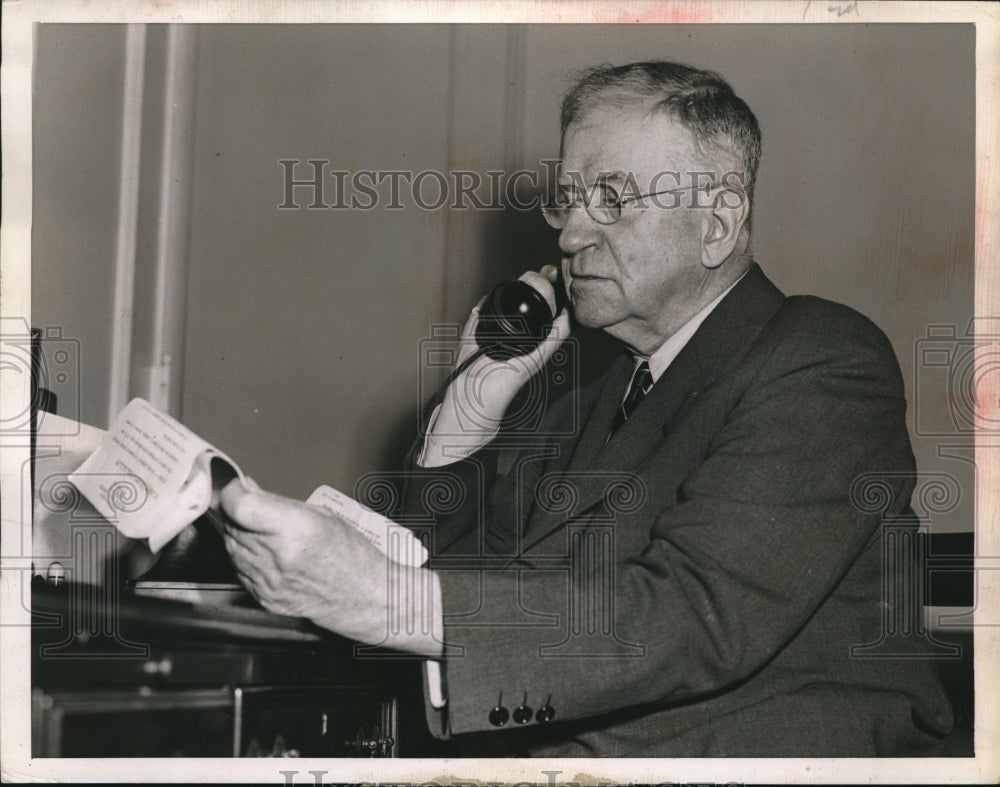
<point x="721" y="341"/>
<point x="598" y="423"/>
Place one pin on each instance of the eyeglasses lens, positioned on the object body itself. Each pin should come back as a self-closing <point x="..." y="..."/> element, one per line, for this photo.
<point x="604" y="207"/>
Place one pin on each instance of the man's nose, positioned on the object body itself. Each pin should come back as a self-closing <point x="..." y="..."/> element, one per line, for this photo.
<point x="580" y="232"/>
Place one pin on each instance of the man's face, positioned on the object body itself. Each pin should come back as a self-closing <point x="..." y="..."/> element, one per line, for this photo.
<point x="642" y="277"/>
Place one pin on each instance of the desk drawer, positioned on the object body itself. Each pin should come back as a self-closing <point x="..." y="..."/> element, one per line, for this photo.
<point x="135" y="723"/>
<point x="243" y="722"/>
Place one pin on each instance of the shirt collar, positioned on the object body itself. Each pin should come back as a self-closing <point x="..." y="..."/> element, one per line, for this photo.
<point x="670" y="349"/>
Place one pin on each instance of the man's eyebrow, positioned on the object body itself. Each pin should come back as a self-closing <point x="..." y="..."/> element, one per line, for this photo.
<point x="617" y="175"/>
<point x="603" y="176"/>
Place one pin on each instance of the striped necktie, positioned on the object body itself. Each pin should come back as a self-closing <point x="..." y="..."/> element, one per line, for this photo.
<point x="642" y="382"/>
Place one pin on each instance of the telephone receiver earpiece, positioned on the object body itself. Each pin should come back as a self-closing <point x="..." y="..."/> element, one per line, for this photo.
<point x="515" y="318"/>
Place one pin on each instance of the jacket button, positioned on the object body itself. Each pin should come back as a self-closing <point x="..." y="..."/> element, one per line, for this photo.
<point x="522" y="714"/>
<point x="499" y="716"/>
<point x="545" y="714"/>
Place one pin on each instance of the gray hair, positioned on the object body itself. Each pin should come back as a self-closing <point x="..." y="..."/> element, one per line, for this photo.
<point x="702" y="101"/>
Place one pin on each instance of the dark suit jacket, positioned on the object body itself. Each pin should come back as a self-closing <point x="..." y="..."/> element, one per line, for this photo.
<point x="694" y="585"/>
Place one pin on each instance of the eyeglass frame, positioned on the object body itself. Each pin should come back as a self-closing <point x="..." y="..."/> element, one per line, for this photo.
<point x="620" y="203"/>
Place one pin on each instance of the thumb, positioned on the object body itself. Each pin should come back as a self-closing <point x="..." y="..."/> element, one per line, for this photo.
<point x="561" y="326"/>
<point x="557" y="335"/>
<point x="233" y="498"/>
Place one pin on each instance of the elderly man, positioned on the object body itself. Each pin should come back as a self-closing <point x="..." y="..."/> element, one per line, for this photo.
<point x="712" y="610"/>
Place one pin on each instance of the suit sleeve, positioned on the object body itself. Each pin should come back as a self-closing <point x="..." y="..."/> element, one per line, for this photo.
<point x="759" y="533"/>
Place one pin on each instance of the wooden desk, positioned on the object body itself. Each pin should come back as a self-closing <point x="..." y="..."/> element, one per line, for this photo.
<point x="136" y="677"/>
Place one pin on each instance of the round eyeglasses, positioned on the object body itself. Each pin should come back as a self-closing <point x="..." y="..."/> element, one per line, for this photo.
<point x="602" y="202"/>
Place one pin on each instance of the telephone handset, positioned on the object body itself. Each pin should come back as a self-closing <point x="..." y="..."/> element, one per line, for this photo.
<point x="513" y="321"/>
<point x="515" y="317"/>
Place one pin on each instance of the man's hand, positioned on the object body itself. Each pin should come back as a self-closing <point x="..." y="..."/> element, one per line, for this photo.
<point x="299" y="561"/>
<point x="499" y="381"/>
<point x="476" y="401"/>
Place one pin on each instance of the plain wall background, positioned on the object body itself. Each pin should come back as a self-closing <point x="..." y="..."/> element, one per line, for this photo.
<point x="302" y="353"/>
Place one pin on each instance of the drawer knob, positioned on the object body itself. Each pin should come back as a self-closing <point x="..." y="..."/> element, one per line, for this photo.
<point x="373" y="745"/>
<point x="162" y="667"/>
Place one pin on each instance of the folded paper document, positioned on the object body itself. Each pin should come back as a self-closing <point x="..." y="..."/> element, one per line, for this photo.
<point x="151" y="477"/>
<point x="393" y="539"/>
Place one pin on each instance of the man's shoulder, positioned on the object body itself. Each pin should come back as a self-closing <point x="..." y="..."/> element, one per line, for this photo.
<point x="824" y="338"/>
<point x="802" y="314"/>
<point x="828" y="323"/>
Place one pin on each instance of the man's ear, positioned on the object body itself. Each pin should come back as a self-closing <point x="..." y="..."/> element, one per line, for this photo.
<point x="722" y="227"/>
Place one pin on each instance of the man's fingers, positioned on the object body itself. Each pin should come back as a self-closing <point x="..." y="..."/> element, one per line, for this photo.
<point x="470" y="324"/>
